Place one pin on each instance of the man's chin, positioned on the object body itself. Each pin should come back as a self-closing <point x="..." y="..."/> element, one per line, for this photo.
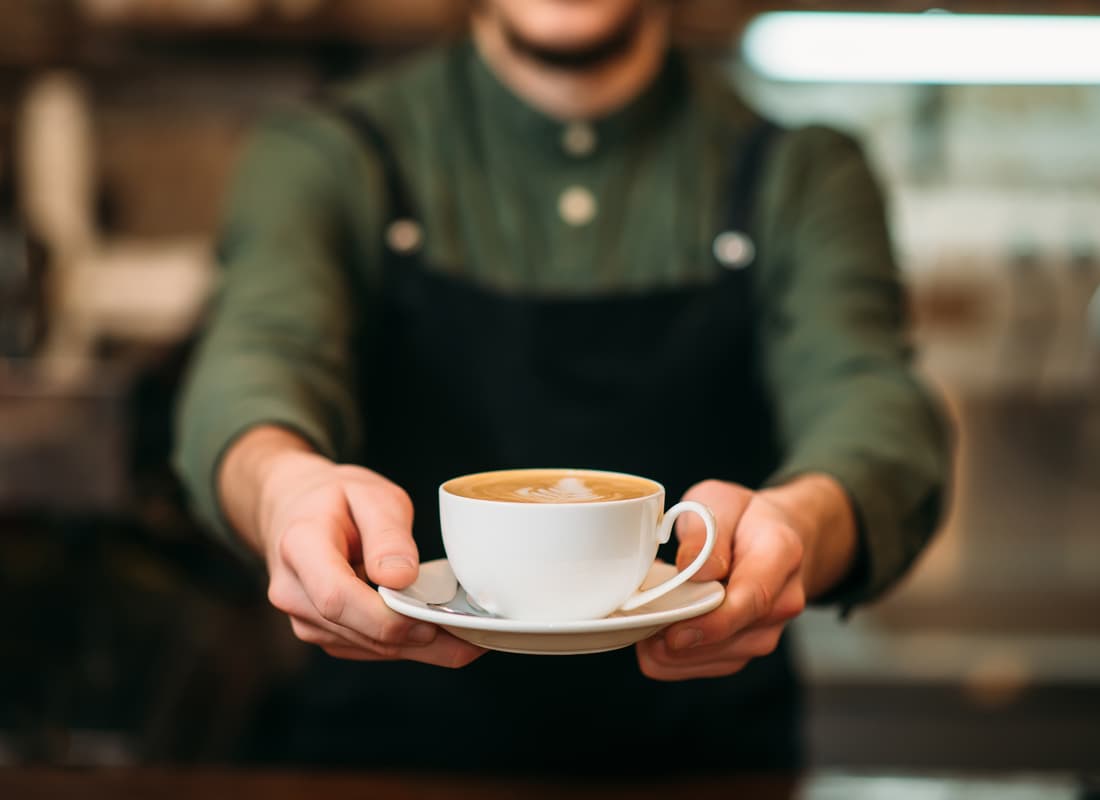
<point x="616" y="43"/>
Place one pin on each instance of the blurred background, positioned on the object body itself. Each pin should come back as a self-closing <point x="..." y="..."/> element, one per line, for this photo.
<point x="126" y="637"/>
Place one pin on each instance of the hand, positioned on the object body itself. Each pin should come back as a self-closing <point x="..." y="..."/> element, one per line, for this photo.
<point x="775" y="548"/>
<point x="320" y="528"/>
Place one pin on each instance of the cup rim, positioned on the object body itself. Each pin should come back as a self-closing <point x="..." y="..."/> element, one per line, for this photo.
<point x="659" y="488"/>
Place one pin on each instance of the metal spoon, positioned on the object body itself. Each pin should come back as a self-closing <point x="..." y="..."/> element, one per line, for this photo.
<point x="461" y="603"/>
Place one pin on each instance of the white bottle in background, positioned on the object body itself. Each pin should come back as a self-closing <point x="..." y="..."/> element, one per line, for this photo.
<point x="54" y="143"/>
<point x="57" y="179"/>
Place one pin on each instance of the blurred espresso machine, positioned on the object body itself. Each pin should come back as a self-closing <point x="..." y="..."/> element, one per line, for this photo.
<point x="81" y="315"/>
<point x="22" y="297"/>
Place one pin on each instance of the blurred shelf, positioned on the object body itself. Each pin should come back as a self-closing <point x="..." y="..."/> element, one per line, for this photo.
<point x="46" y="32"/>
<point x="984" y="657"/>
<point x="942" y="726"/>
<point x="63" y="436"/>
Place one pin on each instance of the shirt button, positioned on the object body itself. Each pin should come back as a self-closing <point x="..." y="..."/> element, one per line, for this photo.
<point x="577" y="206"/>
<point x="404" y="236"/>
<point x="578" y="139"/>
<point x="733" y="249"/>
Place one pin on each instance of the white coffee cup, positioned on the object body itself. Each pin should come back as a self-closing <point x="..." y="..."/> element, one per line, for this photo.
<point x="562" y="560"/>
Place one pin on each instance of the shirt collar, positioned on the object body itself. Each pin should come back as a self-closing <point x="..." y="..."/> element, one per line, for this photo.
<point x="512" y="119"/>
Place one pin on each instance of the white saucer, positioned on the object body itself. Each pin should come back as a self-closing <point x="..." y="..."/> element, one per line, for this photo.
<point x="436" y="583"/>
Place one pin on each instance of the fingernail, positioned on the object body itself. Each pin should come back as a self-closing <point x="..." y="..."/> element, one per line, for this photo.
<point x="421" y="634"/>
<point x="687" y="638"/>
<point x="396" y="562"/>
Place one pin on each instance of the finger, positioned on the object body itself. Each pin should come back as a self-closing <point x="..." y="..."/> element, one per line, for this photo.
<point x="353" y="654"/>
<point x="756" y="583"/>
<point x="383" y="513"/>
<point x="763" y="589"/>
<point x="327" y="640"/>
<point x="728" y="502"/>
<point x="690" y="637"/>
<point x="312" y="633"/>
<point x="308" y="625"/>
<point x="446" y="651"/>
<point x="337" y="595"/>
<point x="755" y="642"/>
<point x="654" y="666"/>
<point x="790" y="603"/>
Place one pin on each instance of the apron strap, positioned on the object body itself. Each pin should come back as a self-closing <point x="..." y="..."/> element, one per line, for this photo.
<point x="370" y="135"/>
<point x="751" y="157"/>
<point x="733" y="247"/>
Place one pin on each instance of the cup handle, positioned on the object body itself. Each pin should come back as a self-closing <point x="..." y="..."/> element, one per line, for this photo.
<point x="639" y="599"/>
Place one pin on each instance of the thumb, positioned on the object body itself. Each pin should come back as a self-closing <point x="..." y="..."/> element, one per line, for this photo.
<point x="383" y="513"/>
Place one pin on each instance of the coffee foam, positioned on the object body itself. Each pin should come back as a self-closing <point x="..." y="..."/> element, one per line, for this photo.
<point x="551" y="486"/>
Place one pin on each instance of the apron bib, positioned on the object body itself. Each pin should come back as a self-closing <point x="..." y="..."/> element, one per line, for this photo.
<point x="664" y="384"/>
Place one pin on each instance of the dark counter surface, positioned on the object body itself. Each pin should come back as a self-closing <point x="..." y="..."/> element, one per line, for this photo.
<point x="211" y="784"/>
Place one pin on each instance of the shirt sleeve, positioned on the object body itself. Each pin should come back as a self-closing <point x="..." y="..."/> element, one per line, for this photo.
<point x="276" y="345"/>
<point x="839" y="358"/>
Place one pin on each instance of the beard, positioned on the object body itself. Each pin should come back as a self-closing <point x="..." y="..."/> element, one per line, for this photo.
<point x="617" y="43"/>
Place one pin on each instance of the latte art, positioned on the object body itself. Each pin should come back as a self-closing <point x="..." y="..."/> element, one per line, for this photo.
<point x="551" y="486"/>
<point x="567" y="490"/>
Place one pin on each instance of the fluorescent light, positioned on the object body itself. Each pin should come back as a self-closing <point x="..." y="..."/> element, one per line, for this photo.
<point x="934" y="47"/>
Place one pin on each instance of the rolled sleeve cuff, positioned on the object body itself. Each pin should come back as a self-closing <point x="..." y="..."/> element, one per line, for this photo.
<point x="881" y="552"/>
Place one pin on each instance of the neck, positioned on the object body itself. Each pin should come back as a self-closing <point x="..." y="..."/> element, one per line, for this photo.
<point x="568" y="92"/>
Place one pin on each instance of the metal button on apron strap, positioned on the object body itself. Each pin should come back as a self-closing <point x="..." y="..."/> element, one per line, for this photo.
<point x="579" y="139"/>
<point x="577" y="205"/>
<point x="734" y="249"/>
<point x="404" y="236"/>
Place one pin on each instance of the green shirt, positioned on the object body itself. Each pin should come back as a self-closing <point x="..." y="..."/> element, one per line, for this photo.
<point x="496" y="185"/>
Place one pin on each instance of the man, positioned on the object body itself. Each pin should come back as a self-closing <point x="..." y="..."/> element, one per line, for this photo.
<point x="559" y="243"/>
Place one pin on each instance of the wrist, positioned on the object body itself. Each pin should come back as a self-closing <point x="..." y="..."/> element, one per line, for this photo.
<point x="253" y="469"/>
<point x="822" y="515"/>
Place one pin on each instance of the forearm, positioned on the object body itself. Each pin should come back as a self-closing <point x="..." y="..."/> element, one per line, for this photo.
<point x="278" y="346"/>
<point x="244" y="472"/>
<point x="826" y="523"/>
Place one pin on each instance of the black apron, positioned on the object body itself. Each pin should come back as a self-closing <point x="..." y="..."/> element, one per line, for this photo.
<point x="463" y="378"/>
